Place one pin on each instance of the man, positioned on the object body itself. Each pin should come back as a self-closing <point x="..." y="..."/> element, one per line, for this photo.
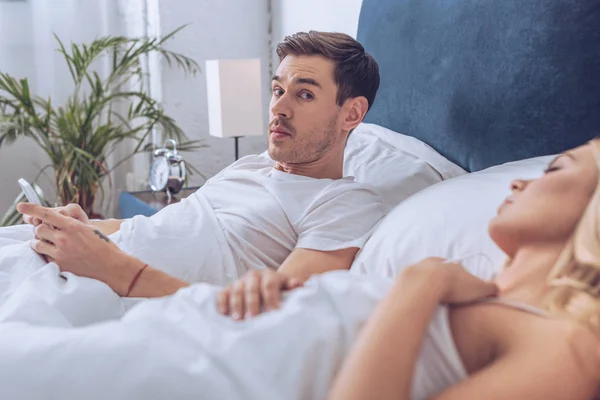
<point x="283" y="219"/>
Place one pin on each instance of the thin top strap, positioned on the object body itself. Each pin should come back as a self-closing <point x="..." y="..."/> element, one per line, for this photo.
<point x="517" y="305"/>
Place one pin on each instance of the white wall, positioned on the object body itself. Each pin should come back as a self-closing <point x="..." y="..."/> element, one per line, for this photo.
<point x="16" y="57"/>
<point x="28" y="50"/>
<point x="290" y="16"/>
<point x="218" y="29"/>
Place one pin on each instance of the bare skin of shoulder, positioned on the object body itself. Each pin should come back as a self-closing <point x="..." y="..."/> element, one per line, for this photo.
<point x="485" y="332"/>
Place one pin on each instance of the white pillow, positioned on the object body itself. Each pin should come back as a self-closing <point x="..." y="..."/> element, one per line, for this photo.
<point x="449" y="220"/>
<point x="396" y="165"/>
<point x="406" y="144"/>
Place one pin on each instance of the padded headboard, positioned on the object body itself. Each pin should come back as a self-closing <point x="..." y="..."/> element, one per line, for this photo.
<point x="486" y="81"/>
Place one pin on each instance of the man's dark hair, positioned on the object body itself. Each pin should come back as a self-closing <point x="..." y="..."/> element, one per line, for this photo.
<point x="355" y="72"/>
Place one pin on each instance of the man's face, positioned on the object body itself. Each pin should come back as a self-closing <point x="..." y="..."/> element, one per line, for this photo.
<point x="303" y="112"/>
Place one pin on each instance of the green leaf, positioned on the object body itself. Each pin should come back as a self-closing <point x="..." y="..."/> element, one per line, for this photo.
<point x="101" y="112"/>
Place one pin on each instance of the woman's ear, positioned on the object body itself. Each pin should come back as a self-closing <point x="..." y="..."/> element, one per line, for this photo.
<point x="355" y="110"/>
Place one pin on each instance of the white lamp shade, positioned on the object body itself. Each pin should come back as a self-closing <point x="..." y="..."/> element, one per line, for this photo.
<point x="234" y="98"/>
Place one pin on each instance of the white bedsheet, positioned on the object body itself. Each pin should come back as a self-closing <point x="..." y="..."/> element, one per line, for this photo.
<point x="71" y="337"/>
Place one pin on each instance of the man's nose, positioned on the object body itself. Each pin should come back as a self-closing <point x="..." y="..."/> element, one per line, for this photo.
<point x="281" y="108"/>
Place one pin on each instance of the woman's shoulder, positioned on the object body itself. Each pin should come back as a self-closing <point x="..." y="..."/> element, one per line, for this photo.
<point x="502" y="331"/>
<point x="579" y="343"/>
<point x="533" y="356"/>
<point x="562" y="344"/>
<point x="560" y="350"/>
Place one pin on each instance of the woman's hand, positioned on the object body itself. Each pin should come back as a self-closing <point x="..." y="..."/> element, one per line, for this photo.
<point x="450" y="282"/>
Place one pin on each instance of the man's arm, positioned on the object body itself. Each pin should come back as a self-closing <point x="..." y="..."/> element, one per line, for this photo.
<point x="84" y="250"/>
<point x="330" y="233"/>
<point x="75" y="211"/>
<point x="261" y="290"/>
<point x="303" y="263"/>
<point x="107" y="226"/>
<point x="150" y="283"/>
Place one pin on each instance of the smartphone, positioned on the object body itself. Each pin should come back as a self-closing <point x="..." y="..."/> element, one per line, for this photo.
<point x="31" y="195"/>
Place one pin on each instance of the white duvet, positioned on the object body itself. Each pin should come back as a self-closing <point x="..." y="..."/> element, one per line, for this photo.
<point x="67" y="337"/>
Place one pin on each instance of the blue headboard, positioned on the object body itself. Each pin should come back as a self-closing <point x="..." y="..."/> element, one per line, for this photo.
<point x="486" y="81"/>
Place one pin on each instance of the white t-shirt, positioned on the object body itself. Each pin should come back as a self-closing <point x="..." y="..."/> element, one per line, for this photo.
<point x="266" y="213"/>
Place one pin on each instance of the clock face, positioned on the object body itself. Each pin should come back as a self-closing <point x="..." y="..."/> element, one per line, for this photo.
<point x="159" y="174"/>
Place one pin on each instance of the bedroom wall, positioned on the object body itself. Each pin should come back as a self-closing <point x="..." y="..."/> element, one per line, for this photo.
<point x="27" y="49"/>
<point x="16" y="57"/>
<point x="290" y="16"/>
<point x="218" y="29"/>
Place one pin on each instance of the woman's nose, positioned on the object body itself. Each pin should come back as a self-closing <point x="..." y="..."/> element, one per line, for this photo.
<point x="518" y="185"/>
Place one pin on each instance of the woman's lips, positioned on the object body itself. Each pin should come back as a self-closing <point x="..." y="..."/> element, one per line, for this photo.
<point x="507" y="201"/>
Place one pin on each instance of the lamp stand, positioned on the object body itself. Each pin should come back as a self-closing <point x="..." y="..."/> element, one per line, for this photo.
<point x="237" y="148"/>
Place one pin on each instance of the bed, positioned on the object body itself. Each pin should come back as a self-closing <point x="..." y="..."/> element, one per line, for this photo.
<point x="486" y="82"/>
<point x="482" y="91"/>
<point x="496" y="87"/>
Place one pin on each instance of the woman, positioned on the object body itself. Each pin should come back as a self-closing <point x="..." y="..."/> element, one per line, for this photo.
<point x="539" y="339"/>
<point x="532" y="334"/>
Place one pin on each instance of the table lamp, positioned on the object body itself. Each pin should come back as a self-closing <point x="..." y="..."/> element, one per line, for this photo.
<point x="234" y="99"/>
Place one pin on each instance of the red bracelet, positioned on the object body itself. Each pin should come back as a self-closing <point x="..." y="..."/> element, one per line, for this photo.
<point x="135" y="278"/>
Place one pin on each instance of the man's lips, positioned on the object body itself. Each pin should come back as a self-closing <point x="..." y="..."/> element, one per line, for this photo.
<point x="279" y="133"/>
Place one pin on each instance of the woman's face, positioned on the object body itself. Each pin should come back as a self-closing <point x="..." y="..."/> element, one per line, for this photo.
<point x="545" y="211"/>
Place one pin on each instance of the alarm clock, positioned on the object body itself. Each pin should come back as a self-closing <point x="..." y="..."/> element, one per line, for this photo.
<point x="167" y="172"/>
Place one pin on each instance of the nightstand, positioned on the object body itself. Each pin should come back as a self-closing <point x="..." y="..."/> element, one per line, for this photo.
<point x="147" y="202"/>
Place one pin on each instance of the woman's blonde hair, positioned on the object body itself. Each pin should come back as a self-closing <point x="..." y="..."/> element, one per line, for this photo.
<point x="574" y="280"/>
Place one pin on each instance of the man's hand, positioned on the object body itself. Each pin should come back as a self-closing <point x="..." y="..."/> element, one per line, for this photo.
<point x="256" y="292"/>
<point x="70" y="210"/>
<point x="76" y="247"/>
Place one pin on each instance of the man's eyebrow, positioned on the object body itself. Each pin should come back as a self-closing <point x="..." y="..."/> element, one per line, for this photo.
<point x="300" y="81"/>
<point x="308" y="81"/>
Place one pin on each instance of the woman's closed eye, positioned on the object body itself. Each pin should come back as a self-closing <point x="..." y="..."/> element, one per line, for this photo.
<point x="551" y="168"/>
<point x="559" y="162"/>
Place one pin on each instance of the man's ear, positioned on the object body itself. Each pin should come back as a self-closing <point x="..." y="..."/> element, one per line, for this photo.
<point x="355" y="110"/>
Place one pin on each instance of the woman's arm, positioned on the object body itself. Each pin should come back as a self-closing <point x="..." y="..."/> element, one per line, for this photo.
<point x="382" y="363"/>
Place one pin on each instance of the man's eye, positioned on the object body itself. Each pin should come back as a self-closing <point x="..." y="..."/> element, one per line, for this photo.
<point x="277" y="92"/>
<point x="306" y="96"/>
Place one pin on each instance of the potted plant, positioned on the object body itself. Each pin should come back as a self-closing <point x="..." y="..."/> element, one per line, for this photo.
<point x="101" y="112"/>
